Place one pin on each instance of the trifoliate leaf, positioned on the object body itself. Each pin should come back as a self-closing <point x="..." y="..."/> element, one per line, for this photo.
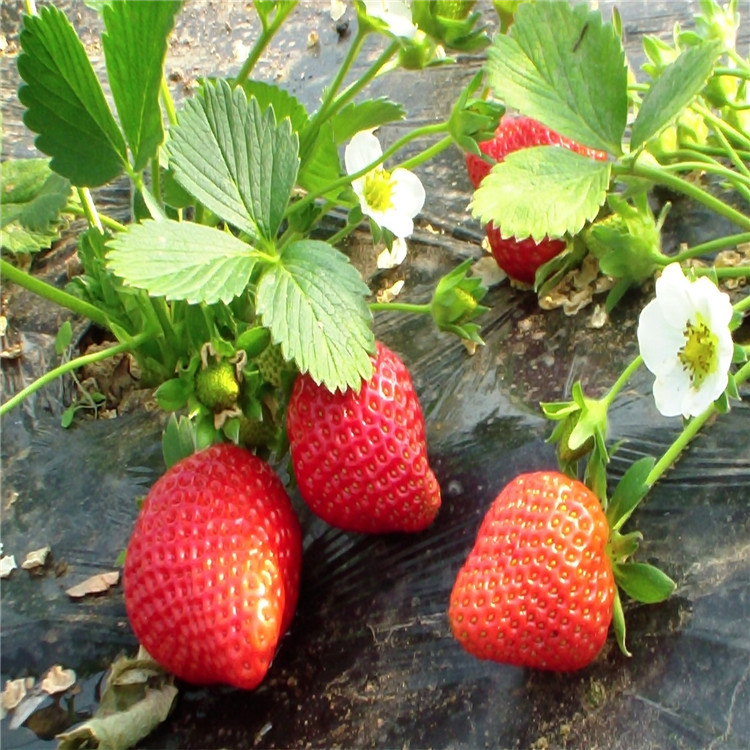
<point x="564" y="67"/>
<point x="235" y="159"/>
<point x="65" y="103"/>
<point x="32" y="194"/>
<point x="568" y="190"/>
<point x="182" y="260"/>
<point x="313" y="301"/>
<point x="643" y="582"/>
<point x="673" y="90"/>
<point x="135" y="46"/>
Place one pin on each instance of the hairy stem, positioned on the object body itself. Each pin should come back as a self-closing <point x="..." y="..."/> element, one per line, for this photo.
<point x="71" y="365"/>
<point x="52" y="293"/>
<point x="283" y="10"/>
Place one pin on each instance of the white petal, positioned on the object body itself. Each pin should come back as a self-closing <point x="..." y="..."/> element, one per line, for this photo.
<point x="395" y="256"/>
<point x="408" y="192"/>
<point x="699" y="400"/>
<point x="669" y="392"/>
<point x="673" y="296"/>
<point x="363" y="149"/>
<point x="395" y="13"/>
<point x="659" y="343"/>
<point x="711" y="303"/>
<point x="396" y="221"/>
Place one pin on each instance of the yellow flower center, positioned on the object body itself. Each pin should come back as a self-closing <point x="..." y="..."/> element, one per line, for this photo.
<point x="698" y="356"/>
<point x="378" y="190"/>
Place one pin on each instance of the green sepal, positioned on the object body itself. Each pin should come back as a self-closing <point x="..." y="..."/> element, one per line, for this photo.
<point x="253" y="341"/>
<point x="455" y="302"/>
<point x="473" y="120"/>
<point x="618" y="623"/>
<point x="178" y="440"/>
<point x="627" y="242"/>
<point x="643" y="582"/>
<point x="173" y="394"/>
<point x="451" y="23"/>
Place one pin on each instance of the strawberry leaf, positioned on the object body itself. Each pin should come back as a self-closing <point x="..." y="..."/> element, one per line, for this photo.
<point x="366" y="115"/>
<point x="65" y="103"/>
<point x="32" y="193"/>
<point x="313" y="301"/>
<point x="643" y="582"/>
<point x="574" y="187"/>
<point x="562" y="66"/>
<point x="630" y="490"/>
<point x="135" y="46"/>
<point x="182" y="260"/>
<point x="673" y="90"/>
<point x="235" y="159"/>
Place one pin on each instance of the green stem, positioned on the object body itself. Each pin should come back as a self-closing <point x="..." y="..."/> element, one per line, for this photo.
<point x="705" y="248"/>
<point x="661" y="176"/>
<point x="724" y="272"/>
<point x="707" y="166"/>
<point x="107" y="221"/>
<point x="331" y="92"/>
<point x="355" y="87"/>
<point x="166" y="97"/>
<point x="621" y="381"/>
<point x="409" y="307"/>
<point x="89" y="209"/>
<point x="724" y="127"/>
<point x="70" y="365"/>
<point x="52" y="293"/>
<point x="691" y="430"/>
<point x="742" y="305"/>
<point x="283" y="10"/>
<point x="428" y="153"/>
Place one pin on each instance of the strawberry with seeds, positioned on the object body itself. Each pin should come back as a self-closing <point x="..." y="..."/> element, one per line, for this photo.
<point x="212" y="568"/>
<point x="538" y="589"/>
<point x="520" y="259"/>
<point x="360" y="458"/>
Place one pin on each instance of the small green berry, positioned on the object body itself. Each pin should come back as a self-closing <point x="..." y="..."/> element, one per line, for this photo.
<point x="216" y="386"/>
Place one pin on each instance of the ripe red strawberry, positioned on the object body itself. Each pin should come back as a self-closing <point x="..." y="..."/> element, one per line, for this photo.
<point x="520" y="259"/>
<point x="538" y="589"/>
<point x="360" y="459"/>
<point x="212" y="568"/>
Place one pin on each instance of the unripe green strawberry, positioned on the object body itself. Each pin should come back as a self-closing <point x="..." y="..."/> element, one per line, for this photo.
<point x="272" y="365"/>
<point x="537" y="589"/>
<point x="454" y="9"/>
<point x="255" y="433"/>
<point x="216" y="385"/>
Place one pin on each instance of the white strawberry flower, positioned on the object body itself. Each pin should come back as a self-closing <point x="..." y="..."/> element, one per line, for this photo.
<point x="390" y="199"/>
<point x="685" y="341"/>
<point x="396" y="14"/>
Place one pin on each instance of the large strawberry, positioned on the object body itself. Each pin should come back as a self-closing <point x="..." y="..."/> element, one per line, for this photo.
<point x="520" y="258"/>
<point x="212" y="568"/>
<point x="360" y="458"/>
<point x="537" y="589"/>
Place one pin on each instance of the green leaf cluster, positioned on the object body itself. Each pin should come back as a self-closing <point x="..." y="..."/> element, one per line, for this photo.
<point x="563" y="66"/>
